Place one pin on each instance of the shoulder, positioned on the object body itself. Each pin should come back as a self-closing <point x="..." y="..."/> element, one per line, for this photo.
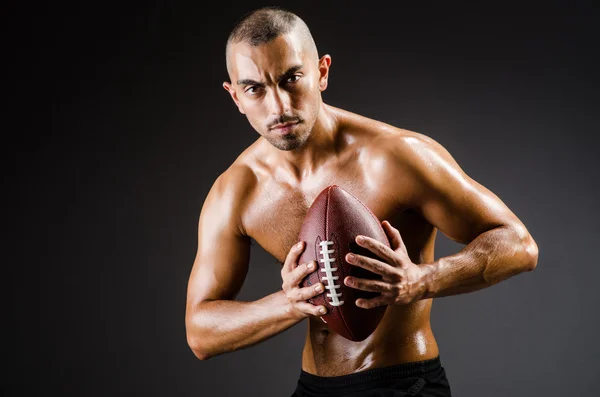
<point x="424" y="164"/>
<point x="230" y="194"/>
<point x="237" y="182"/>
<point x="415" y="150"/>
<point x="396" y="147"/>
<point x="412" y="151"/>
<point x="380" y="136"/>
<point x="391" y="154"/>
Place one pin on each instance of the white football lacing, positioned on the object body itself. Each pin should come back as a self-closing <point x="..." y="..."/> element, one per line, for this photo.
<point x="328" y="270"/>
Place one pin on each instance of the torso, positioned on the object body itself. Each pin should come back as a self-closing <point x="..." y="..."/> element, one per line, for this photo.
<point x="273" y="217"/>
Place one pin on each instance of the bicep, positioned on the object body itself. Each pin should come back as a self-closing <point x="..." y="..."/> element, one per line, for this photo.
<point x="450" y="200"/>
<point x="223" y="254"/>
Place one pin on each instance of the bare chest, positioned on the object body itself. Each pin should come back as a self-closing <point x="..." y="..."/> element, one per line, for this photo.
<point x="277" y="210"/>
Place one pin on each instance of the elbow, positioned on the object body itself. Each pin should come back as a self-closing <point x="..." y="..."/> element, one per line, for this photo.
<point x="197" y="348"/>
<point x="196" y="339"/>
<point x="531" y="253"/>
<point x="528" y="250"/>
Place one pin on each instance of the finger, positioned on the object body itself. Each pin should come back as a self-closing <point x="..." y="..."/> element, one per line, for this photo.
<point x="371" y="264"/>
<point x="292" y="257"/>
<point x="311" y="309"/>
<point x="393" y="235"/>
<point x="368" y="285"/>
<point x="300" y="272"/>
<point x="382" y="300"/>
<point x="305" y="293"/>
<point x="376" y="247"/>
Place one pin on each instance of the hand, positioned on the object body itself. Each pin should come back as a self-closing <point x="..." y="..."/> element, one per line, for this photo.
<point x="292" y="275"/>
<point x="402" y="281"/>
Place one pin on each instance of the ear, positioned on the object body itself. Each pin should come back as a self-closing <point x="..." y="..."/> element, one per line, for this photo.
<point x="233" y="94"/>
<point x="324" y="64"/>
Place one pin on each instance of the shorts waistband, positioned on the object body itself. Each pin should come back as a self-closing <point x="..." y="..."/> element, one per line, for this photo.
<point x="373" y="375"/>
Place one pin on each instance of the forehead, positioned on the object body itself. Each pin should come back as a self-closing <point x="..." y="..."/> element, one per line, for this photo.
<point x="274" y="57"/>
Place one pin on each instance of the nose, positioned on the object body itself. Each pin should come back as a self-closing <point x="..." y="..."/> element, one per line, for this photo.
<point x="279" y="101"/>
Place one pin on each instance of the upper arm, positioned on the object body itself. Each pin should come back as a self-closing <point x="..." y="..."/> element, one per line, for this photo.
<point x="448" y="198"/>
<point x="223" y="254"/>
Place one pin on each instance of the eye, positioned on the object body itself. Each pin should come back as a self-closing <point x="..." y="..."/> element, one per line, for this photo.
<point x="253" y="90"/>
<point x="292" y="79"/>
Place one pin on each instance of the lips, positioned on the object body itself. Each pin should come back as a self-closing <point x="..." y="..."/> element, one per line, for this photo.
<point x="283" y="126"/>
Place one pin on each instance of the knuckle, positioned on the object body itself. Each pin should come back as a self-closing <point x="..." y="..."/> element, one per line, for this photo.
<point x="398" y="275"/>
<point x="295" y="270"/>
<point x="301" y="268"/>
<point x="294" y="251"/>
<point x="309" y="293"/>
<point x="289" y="255"/>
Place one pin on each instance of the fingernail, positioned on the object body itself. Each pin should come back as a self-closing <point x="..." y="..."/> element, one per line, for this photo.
<point x="299" y="245"/>
<point x="360" y="239"/>
<point x="311" y="266"/>
<point x="319" y="288"/>
<point x="350" y="257"/>
<point x="322" y="310"/>
<point x="349" y="281"/>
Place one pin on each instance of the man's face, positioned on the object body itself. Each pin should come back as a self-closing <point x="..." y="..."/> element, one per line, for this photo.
<point x="278" y="87"/>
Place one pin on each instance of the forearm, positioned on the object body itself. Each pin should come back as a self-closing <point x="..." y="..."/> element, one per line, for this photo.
<point x="222" y="326"/>
<point x="493" y="256"/>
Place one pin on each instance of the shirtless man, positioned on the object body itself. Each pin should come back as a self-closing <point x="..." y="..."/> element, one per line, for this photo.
<point x="404" y="177"/>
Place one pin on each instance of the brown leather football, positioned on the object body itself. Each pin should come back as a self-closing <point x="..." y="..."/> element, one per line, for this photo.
<point x="329" y="230"/>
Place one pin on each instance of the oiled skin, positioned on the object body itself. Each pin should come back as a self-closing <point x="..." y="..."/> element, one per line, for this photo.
<point x="271" y="206"/>
<point x="404" y="177"/>
<point x="404" y="334"/>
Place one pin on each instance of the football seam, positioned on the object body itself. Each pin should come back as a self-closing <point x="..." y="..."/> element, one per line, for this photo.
<point x="337" y="255"/>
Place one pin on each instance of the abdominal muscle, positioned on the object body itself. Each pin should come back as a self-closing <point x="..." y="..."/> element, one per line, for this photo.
<point x="404" y="335"/>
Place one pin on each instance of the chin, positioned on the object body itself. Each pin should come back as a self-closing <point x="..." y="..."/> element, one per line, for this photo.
<point x="287" y="144"/>
<point x="290" y="141"/>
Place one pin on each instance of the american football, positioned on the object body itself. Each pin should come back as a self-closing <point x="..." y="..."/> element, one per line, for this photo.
<point x="329" y="230"/>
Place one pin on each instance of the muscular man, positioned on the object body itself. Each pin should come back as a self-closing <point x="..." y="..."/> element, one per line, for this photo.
<point x="407" y="179"/>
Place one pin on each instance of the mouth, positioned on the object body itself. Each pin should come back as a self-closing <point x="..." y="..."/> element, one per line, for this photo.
<point x="285" y="127"/>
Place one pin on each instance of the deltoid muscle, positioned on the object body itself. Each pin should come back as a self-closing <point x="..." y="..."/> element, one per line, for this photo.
<point x="329" y="273"/>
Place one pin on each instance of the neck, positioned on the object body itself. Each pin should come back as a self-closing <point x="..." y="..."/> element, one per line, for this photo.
<point x="317" y="150"/>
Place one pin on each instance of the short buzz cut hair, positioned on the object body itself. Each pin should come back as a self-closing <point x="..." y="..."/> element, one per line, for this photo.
<point x="265" y="24"/>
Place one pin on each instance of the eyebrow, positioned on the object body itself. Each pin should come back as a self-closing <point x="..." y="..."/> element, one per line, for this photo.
<point x="283" y="76"/>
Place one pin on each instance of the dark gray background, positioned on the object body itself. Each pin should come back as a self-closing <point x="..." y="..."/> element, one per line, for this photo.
<point x="118" y="125"/>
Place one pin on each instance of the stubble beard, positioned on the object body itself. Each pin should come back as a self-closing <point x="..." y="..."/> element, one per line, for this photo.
<point x="289" y="141"/>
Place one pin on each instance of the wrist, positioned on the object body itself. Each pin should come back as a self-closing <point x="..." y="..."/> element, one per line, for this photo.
<point x="428" y="279"/>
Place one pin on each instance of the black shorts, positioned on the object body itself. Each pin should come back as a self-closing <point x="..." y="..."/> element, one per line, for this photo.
<point x="422" y="378"/>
